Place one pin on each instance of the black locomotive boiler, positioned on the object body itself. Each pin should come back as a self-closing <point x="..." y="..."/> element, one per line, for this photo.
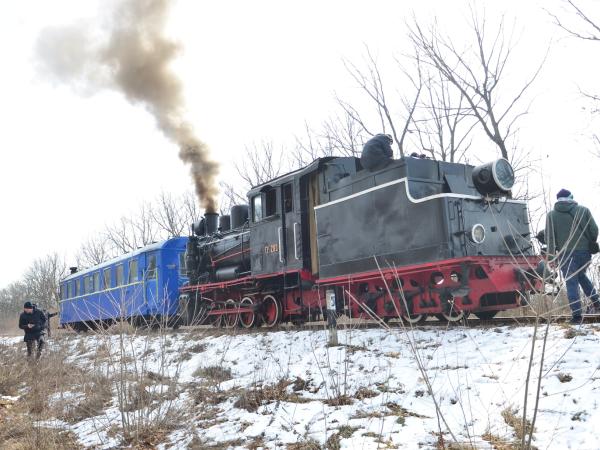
<point x="405" y="238"/>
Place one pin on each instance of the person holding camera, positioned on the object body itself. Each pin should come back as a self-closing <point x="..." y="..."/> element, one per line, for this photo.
<point x="33" y="322"/>
<point x="571" y="234"/>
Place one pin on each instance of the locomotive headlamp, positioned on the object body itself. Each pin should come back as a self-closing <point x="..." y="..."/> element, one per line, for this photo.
<point x="496" y="177"/>
<point x="478" y="233"/>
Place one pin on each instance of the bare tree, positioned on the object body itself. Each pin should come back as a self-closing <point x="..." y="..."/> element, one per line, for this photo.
<point x="95" y="250"/>
<point x="12" y="298"/>
<point x="191" y="210"/>
<point x="442" y="122"/>
<point x="581" y="25"/>
<point x="262" y="162"/>
<point x="231" y="195"/>
<point x="309" y="147"/>
<point x="590" y="30"/>
<point x="169" y="215"/>
<point x="340" y="135"/>
<point x="344" y="136"/>
<point x="42" y="279"/>
<point x="477" y="72"/>
<point x="133" y="232"/>
<point x="370" y="81"/>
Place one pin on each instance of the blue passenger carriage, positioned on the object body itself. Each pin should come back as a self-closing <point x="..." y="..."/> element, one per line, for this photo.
<point x="137" y="286"/>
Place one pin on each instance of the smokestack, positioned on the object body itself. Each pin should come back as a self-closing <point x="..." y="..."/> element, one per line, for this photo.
<point x="135" y="61"/>
<point x="212" y="220"/>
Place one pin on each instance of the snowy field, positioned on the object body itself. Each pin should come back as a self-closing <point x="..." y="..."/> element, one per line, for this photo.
<point x="378" y="389"/>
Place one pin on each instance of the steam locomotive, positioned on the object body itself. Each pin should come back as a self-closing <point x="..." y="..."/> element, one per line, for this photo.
<point x="378" y="237"/>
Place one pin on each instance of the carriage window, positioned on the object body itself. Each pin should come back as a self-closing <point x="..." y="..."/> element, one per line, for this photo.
<point x="257" y="208"/>
<point x="77" y="287"/>
<point x="151" y="269"/>
<point x="106" y="274"/>
<point x="270" y="202"/>
<point x="119" y="281"/>
<point x="72" y="289"/>
<point x="63" y="292"/>
<point x="96" y="281"/>
<point x="89" y="284"/>
<point x="288" y="204"/>
<point x="182" y="271"/>
<point x="133" y="271"/>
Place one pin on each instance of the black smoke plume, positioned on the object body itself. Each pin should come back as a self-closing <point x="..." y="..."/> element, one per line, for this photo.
<point x="132" y="55"/>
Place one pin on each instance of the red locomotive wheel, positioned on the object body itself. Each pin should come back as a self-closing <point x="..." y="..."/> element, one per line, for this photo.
<point x="413" y="319"/>
<point x="271" y="311"/>
<point x="453" y="316"/>
<point x="247" y="319"/>
<point x="230" y="319"/>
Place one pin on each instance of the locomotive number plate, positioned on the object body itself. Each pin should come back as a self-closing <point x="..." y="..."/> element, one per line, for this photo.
<point x="271" y="248"/>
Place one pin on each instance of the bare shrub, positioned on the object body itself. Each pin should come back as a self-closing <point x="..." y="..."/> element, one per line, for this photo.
<point x="512" y="419"/>
<point x="214" y="373"/>
<point x="253" y="398"/>
<point x="34" y="383"/>
<point x="309" y="444"/>
<point x="12" y="370"/>
<point x="96" y="397"/>
<point x="20" y="432"/>
<point x="197" y="348"/>
<point x="365" y="392"/>
<point x="343" y="432"/>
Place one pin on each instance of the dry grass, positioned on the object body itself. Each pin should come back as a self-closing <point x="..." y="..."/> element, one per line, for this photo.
<point x="54" y="388"/>
<point x="564" y="377"/>
<point x="543" y="305"/>
<point x="400" y="411"/>
<point x="499" y="443"/>
<point x="214" y="373"/>
<point x="251" y="399"/>
<point x="343" y="432"/>
<point x="512" y="419"/>
<point x="309" y="444"/>
<point x="33" y="382"/>
<point x="365" y="392"/>
<point x="198" y="444"/>
<point x="340" y="400"/>
<point x="9" y="325"/>
<point x="12" y="370"/>
<point x="96" y="396"/>
<point x="19" y="432"/>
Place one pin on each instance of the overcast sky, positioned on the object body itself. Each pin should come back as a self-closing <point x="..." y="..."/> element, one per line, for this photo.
<point x="252" y="70"/>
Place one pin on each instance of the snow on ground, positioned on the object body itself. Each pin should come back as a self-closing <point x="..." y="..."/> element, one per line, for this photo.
<point x="287" y="387"/>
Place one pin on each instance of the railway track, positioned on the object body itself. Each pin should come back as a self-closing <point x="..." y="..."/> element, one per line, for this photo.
<point x="344" y="324"/>
<point x="469" y="323"/>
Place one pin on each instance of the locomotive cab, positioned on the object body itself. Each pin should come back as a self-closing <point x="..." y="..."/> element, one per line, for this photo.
<point x="282" y="221"/>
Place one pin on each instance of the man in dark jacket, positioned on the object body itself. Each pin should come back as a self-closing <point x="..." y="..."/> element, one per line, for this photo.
<point x="570" y="231"/>
<point x="48" y="315"/>
<point x="33" y="322"/>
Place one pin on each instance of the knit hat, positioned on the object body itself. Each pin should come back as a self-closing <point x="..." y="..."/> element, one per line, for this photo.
<point x="564" y="193"/>
<point x="28" y="305"/>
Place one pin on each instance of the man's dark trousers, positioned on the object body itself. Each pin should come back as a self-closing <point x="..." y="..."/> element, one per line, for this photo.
<point x="574" y="268"/>
<point x="40" y="346"/>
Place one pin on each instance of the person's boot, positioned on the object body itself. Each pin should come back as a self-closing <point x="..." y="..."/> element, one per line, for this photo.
<point x="593" y="309"/>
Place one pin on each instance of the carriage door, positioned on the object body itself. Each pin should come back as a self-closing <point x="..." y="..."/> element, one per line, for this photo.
<point x="151" y="280"/>
<point x="291" y="227"/>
